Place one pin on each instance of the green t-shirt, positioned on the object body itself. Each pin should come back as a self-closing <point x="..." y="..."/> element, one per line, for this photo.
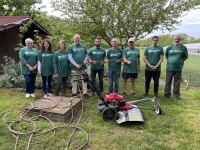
<point x="175" y="57"/>
<point x="153" y="56"/>
<point x="131" y="55"/>
<point x="113" y="55"/>
<point x="31" y="56"/>
<point x="46" y="59"/>
<point x="78" y="54"/>
<point x="97" y="54"/>
<point x="62" y="62"/>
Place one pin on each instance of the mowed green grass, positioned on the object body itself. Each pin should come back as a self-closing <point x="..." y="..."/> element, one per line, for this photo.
<point x="177" y="128"/>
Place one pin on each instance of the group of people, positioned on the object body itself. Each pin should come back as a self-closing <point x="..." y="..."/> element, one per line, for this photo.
<point x="65" y="62"/>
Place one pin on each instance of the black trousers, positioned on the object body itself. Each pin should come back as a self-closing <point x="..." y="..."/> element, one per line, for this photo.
<point x="152" y="74"/>
<point x="100" y="73"/>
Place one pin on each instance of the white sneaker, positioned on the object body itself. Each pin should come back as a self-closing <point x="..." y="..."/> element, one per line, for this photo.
<point x="32" y="95"/>
<point x="45" y="95"/>
<point x="49" y="94"/>
<point x="27" y="95"/>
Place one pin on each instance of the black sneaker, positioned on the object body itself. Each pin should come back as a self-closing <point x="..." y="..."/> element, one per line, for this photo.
<point x="145" y="95"/>
<point x="86" y="96"/>
<point x="156" y="95"/>
<point x="133" y="94"/>
<point x="124" y="94"/>
<point x="176" y="97"/>
<point x="166" y="96"/>
<point x="73" y="95"/>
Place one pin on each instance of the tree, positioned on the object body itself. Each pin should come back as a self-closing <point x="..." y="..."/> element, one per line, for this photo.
<point x="122" y="18"/>
<point x="17" y="7"/>
<point x="184" y="37"/>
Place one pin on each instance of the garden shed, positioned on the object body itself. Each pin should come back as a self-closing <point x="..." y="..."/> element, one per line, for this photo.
<point x="9" y="34"/>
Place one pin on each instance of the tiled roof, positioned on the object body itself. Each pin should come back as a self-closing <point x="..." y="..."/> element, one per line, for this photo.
<point x="5" y="20"/>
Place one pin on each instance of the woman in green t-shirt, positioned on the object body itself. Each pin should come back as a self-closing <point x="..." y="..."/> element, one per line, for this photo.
<point x="45" y="66"/>
<point x="61" y="67"/>
<point x="28" y="64"/>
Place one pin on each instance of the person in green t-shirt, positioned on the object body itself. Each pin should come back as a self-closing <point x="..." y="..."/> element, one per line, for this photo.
<point x="77" y="55"/>
<point x="61" y="67"/>
<point x="175" y="54"/>
<point x="45" y="66"/>
<point x="153" y="57"/>
<point x="131" y="58"/>
<point x="114" y="57"/>
<point x="28" y="64"/>
<point x="97" y="58"/>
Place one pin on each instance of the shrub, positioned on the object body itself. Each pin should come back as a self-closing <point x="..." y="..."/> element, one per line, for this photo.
<point x="12" y="78"/>
<point x="11" y="74"/>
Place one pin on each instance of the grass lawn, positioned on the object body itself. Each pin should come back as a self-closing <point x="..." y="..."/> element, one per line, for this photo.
<point x="177" y="128"/>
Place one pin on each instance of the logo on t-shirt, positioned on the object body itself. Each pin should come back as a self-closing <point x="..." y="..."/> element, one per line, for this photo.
<point x="153" y="50"/>
<point x="132" y="52"/>
<point x="115" y="55"/>
<point x="175" y="51"/>
<point x="62" y="56"/>
<point x="98" y="53"/>
<point x="77" y="49"/>
<point x="47" y="55"/>
<point x="30" y="53"/>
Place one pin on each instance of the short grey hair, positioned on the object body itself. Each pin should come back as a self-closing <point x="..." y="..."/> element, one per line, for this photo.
<point x="28" y="40"/>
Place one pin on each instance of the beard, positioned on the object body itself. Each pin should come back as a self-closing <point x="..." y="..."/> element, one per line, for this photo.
<point x="97" y="45"/>
<point x="176" y="44"/>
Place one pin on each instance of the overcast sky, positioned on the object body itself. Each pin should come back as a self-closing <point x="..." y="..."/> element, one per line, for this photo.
<point x="190" y="23"/>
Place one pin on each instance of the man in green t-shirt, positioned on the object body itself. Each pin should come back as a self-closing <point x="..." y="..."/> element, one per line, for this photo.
<point x="175" y="54"/>
<point x="77" y="55"/>
<point x="114" y="57"/>
<point x="153" y="57"/>
<point x="131" y="58"/>
<point x="97" y="58"/>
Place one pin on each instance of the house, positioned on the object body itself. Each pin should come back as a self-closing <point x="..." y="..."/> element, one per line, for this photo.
<point x="9" y="35"/>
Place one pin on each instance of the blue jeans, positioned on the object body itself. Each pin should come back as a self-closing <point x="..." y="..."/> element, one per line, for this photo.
<point x="30" y="82"/>
<point x="100" y="74"/>
<point x="46" y="79"/>
<point x="114" y="77"/>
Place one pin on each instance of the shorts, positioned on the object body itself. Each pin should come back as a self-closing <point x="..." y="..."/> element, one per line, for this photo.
<point x="131" y="75"/>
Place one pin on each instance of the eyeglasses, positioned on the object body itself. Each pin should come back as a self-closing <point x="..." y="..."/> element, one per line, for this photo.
<point x="29" y="43"/>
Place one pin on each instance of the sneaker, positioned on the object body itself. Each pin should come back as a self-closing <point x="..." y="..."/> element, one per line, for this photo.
<point x="176" y="97"/>
<point x="156" y="95"/>
<point x="133" y="94"/>
<point x="124" y="94"/>
<point x="32" y="95"/>
<point x="86" y="96"/>
<point x="145" y="95"/>
<point x="45" y="95"/>
<point x="49" y="94"/>
<point x="27" y="95"/>
<point x="73" y="95"/>
<point x="166" y="96"/>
